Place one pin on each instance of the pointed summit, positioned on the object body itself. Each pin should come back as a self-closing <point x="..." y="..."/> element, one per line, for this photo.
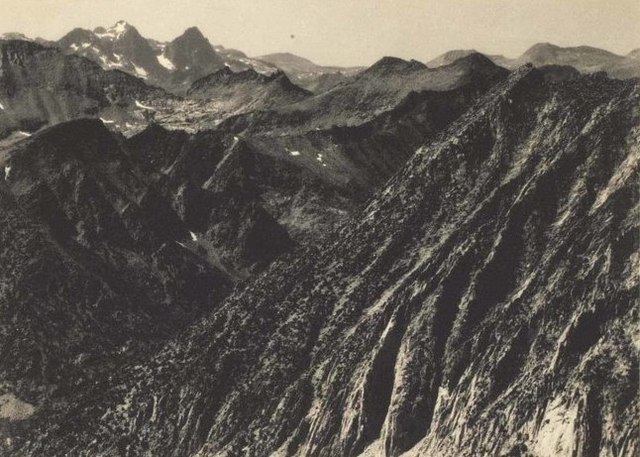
<point x="194" y="33"/>
<point x="193" y="52"/>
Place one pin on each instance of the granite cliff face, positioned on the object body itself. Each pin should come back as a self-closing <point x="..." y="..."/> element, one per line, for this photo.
<point x="482" y="302"/>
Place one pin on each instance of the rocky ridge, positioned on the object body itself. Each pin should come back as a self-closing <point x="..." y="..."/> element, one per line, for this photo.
<point x="480" y="303"/>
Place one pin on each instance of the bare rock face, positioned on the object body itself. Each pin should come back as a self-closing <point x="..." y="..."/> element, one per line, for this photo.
<point x="483" y="302"/>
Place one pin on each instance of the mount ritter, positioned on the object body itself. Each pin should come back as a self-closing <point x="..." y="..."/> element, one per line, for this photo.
<point x="209" y="254"/>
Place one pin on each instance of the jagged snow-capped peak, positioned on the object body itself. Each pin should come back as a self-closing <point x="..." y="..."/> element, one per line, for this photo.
<point x="114" y="32"/>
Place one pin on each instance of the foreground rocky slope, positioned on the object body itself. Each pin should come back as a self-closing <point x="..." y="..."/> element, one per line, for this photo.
<point x="93" y="258"/>
<point x="483" y="303"/>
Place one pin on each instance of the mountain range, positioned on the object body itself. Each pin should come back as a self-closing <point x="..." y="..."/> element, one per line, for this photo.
<point x="176" y="64"/>
<point x="585" y="59"/>
<point x="211" y="255"/>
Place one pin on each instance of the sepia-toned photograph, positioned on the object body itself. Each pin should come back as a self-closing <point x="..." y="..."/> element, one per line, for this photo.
<point x="319" y="228"/>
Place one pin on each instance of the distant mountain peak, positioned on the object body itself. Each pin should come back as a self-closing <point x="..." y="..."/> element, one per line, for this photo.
<point x="193" y="32"/>
<point x="634" y="54"/>
<point x="193" y="35"/>
<point x="395" y="65"/>
<point x="114" y="32"/>
<point x="14" y="36"/>
<point x="449" y="57"/>
<point x="475" y="59"/>
<point x="193" y="52"/>
<point x="545" y="45"/>
<point x="286" y="55"/>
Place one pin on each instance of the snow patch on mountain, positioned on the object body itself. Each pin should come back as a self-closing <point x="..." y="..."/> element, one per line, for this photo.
<point x="140" y="105"/>
<point x="140" y="71"/>
<point x="166" y="62"/>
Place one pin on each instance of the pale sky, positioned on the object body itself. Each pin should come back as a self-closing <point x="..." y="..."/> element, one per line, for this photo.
<point x="348" y="32"/>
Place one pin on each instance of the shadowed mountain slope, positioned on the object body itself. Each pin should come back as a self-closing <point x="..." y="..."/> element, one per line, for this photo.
<point x="94" y="258"/>
<point x="363" y="97"/>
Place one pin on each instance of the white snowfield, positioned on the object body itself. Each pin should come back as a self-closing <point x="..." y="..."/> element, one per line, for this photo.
<point x="24" y="133"/>
<point x="194" y="237"/>
<point x="140" y="71"/>
<point x="140" y="105"/>
<point x="107" y="121"/>
<point x="7" y="170"/>
<point x="1" y="106"/>
<point x="166" y="62"/>
<point x="295" y="153"/>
